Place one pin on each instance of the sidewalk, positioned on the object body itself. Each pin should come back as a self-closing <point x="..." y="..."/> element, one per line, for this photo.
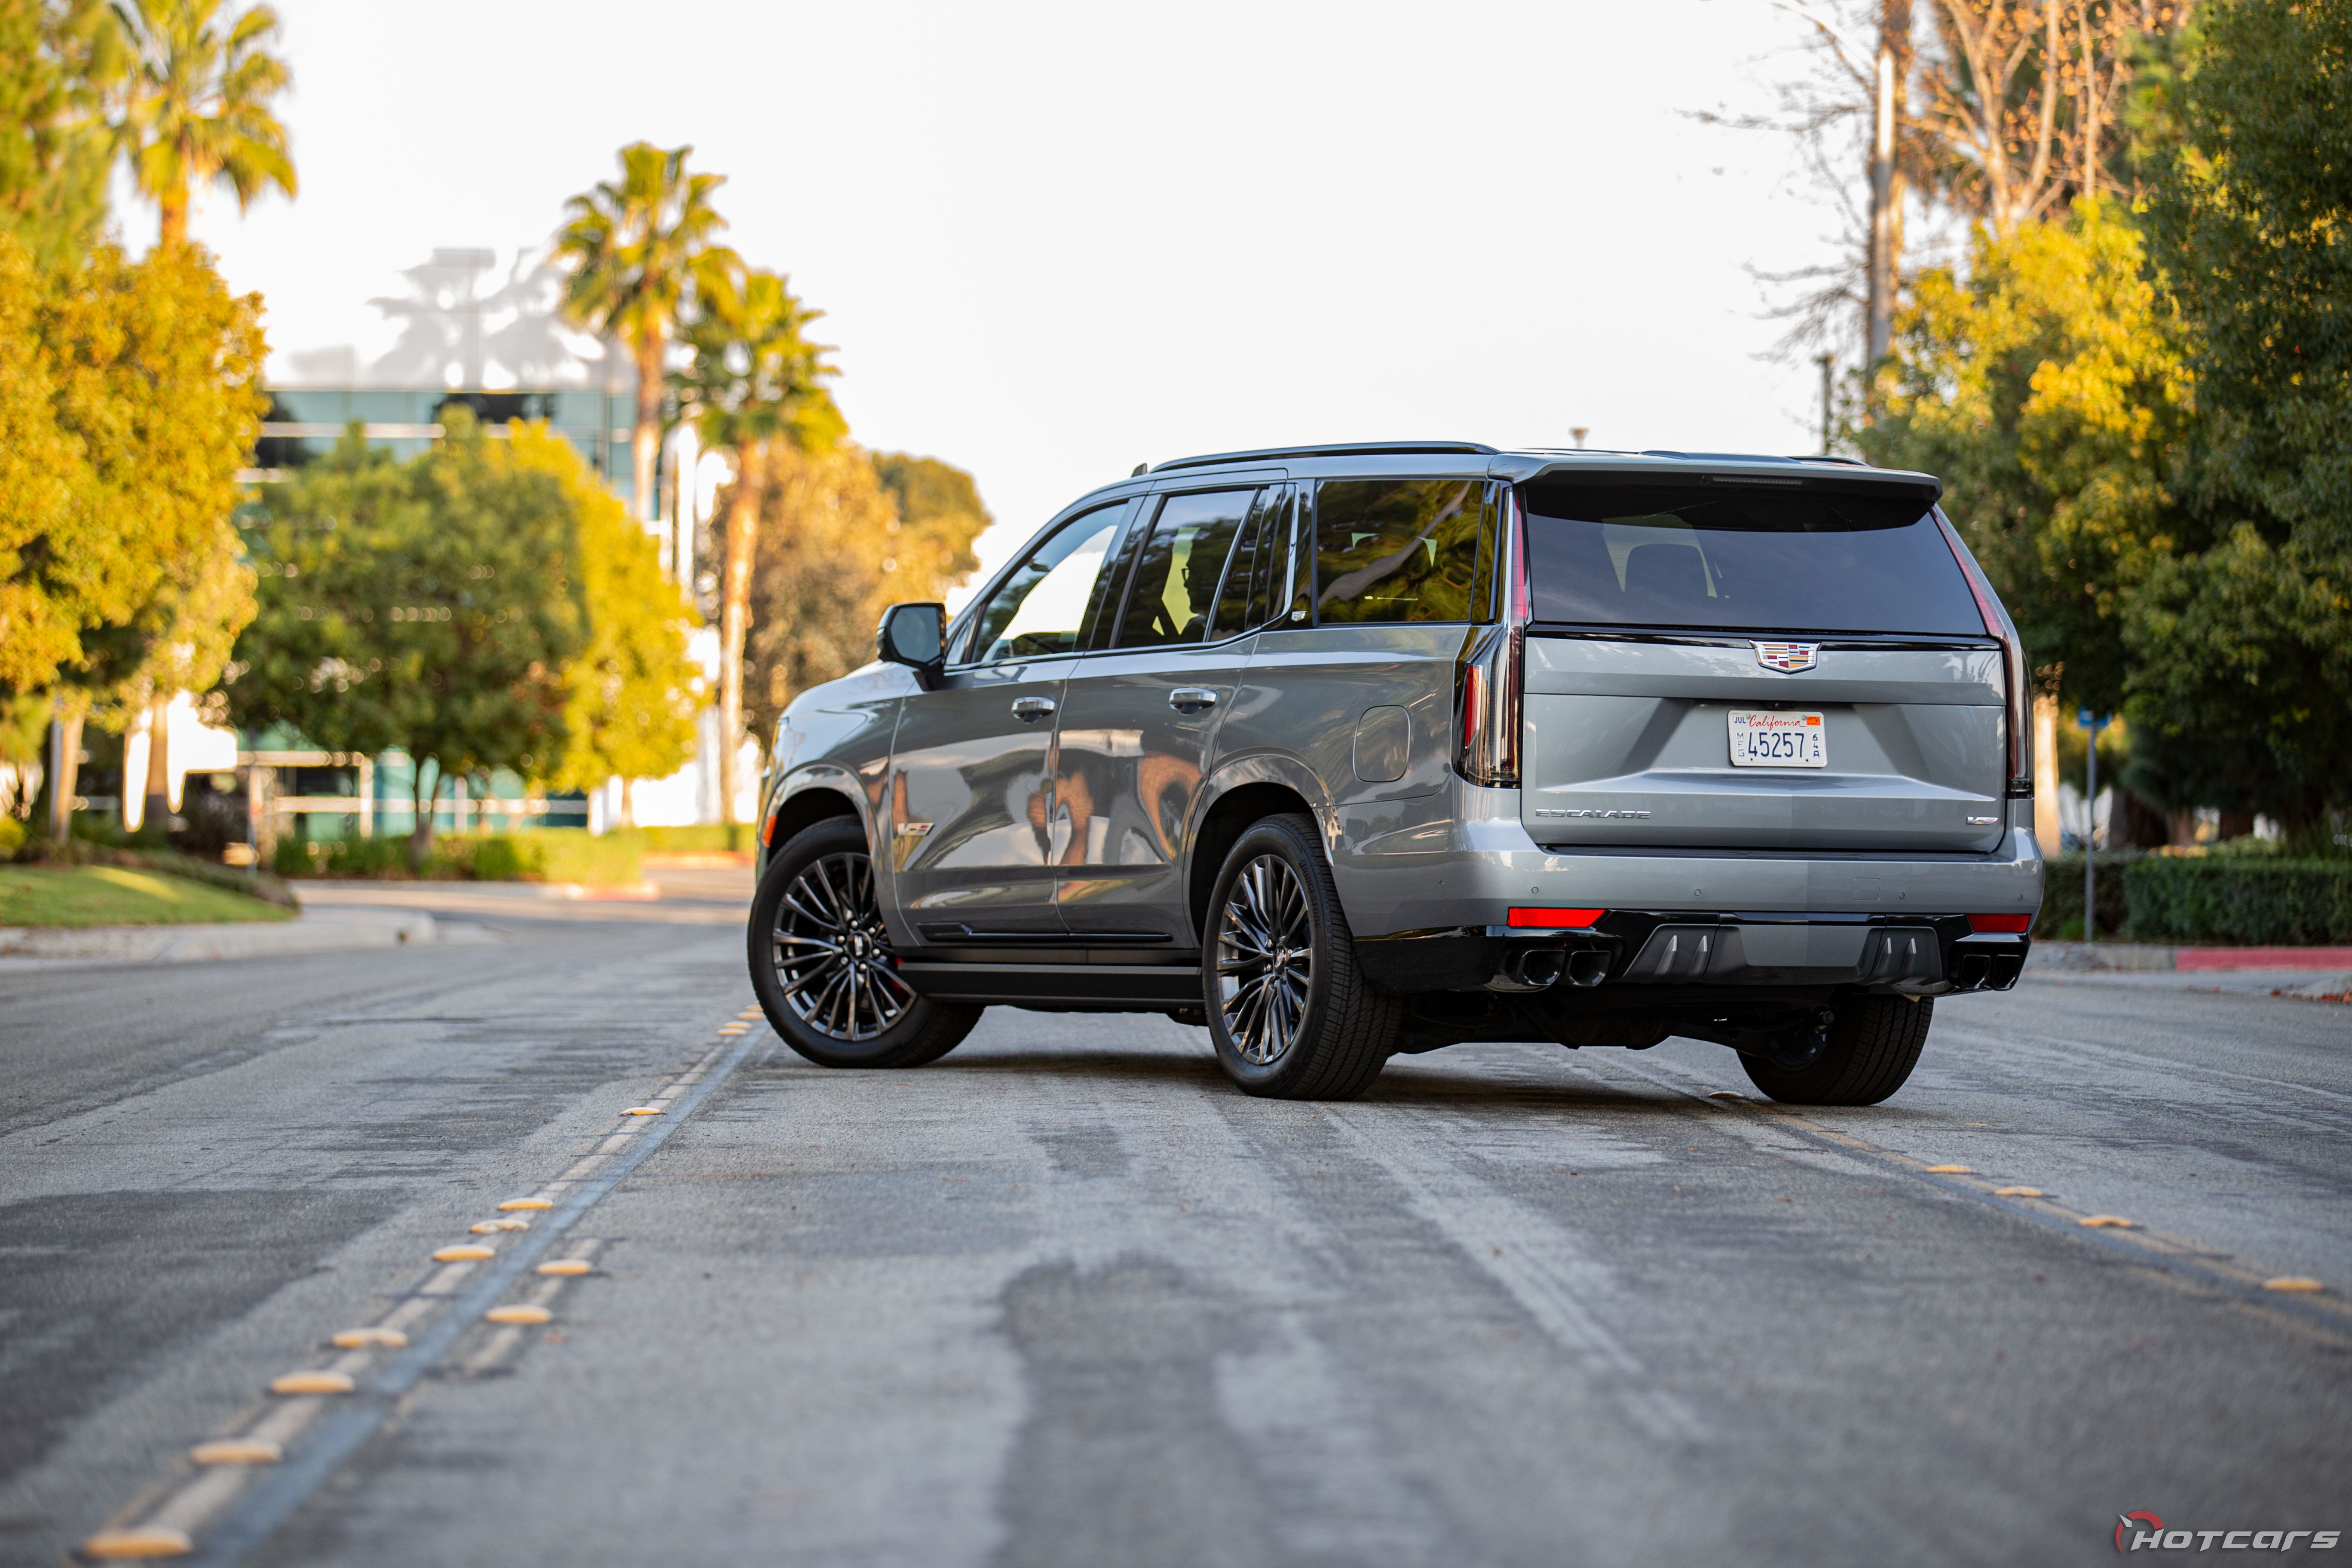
<point x="313" y="930"/>
<point x="2308" y="972"/>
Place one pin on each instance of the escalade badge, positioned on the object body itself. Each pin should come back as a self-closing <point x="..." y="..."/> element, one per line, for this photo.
<point x="1789" y="657"/>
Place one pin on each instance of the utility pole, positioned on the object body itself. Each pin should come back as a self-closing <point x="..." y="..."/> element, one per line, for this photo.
<point x="1826" y="362"/>
<point x="1894" y="67"/>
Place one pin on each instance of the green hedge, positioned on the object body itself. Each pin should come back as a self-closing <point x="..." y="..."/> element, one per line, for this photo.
<point x="693" y="837"/>
<point x="543" y="855"/>
<point x="2242" y="899"/>
<point x="2062" y="895"/>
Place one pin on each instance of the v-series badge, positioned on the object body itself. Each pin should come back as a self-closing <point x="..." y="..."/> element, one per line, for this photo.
<point x="1576" y="811"/>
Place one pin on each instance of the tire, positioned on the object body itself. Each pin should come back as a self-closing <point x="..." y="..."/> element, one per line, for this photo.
<point x="1287" y="1007"/>
<point x="850" y="1010"/>
<point x="1873" y="1043"/>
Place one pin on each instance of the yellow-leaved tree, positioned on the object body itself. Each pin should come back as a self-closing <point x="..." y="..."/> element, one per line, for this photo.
<point x="843" y="534"/>
<point x="633" y="692"/>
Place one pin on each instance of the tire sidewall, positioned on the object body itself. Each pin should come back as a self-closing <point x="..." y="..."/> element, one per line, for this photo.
<point x="1837" y="1076"/>
<point x="1275" y="835"/>
<point x="834" y="836"/>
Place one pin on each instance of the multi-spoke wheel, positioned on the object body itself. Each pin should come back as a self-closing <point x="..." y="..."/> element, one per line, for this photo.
<point x="822" y="965"/>
<point x="832" y="957"/>
<point x="1265" y="960"/>
<point x="1288" y="1009"/>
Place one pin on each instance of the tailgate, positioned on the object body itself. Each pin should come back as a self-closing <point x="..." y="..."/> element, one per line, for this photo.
<point x="1629" y="742"/>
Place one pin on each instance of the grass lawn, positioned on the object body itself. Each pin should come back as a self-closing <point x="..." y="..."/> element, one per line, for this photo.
<point x="111" y="896"/>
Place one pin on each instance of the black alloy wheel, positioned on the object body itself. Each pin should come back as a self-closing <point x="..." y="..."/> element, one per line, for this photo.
<point x="1869" y="1050"/>
<point x="1288" y="1008"/>
<point x="822" y="962"/>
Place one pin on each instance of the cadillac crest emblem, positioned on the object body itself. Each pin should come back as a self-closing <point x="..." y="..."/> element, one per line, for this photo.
<point x="1787" y="656"/>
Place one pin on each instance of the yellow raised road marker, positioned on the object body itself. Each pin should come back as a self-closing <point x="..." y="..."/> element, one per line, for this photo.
<point x="149" y="1541"/>
<point x="312" y="1382"/>
<point x="2106" y="1222"/>
<point x="565" y="1266"/>
<point x="1950" y="1170"/>
<point x="2018" y="1193"/>
<point x="238" y="1451"/>
<point x="519" y="1315"/>
<point x="492" y="1227"/>
<point x="368" y="1340"/>
<point x="1725" y="1094"/>
<point x="2294" y="1282"/>
<point x="526" y="1204"/>
<point x="466" y="1254"/>
<point x="645" y="1110"/>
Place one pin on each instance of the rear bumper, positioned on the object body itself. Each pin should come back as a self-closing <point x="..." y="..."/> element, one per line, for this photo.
<point x="1431" y="902"/>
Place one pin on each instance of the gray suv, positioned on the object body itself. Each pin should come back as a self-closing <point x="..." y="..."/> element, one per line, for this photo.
<point x="1342" y="752"/>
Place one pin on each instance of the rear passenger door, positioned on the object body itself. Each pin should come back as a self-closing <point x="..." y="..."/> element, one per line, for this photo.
<point x="1141" y="712"/>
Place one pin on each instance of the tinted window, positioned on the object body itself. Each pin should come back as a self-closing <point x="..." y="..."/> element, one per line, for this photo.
<point x="1042" y="607"/>
<point x="1397" y="550"/>
<point x="1732" y="559"/>
<point x="1179" y="567"/>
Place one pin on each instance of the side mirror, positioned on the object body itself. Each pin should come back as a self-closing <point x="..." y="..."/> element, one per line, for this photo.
<point x="916" y="636"/>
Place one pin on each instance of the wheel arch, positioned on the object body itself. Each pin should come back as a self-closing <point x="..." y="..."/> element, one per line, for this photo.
<point x="804" y="800"/>
<point x="1241" y="801"/>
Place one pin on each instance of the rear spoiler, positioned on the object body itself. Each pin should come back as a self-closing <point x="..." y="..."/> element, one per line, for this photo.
<point x="1729" y="469"/>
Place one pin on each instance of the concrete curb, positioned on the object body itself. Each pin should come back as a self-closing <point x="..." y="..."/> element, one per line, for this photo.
<point x="2144" y="956"/>
<point x="325" y="931"/>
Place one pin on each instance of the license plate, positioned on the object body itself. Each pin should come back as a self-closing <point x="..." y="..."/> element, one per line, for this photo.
<point x="1761" y="739"/>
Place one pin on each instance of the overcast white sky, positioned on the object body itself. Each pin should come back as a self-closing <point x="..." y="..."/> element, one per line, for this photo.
<point x="1054" y="241"/>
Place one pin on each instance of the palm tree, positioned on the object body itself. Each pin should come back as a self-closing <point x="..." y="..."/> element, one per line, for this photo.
<point x="755" y="381"/>
<point x="195" y="104"/>
<point x="632" y="248"/>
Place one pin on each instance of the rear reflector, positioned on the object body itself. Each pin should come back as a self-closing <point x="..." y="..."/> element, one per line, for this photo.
<point x="1557" y="918"/>
<point x="2017" y="925"/>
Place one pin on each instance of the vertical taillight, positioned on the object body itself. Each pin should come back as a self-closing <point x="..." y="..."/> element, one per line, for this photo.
<point x="1492" y="673"/>
<point x="2018" y="678"/>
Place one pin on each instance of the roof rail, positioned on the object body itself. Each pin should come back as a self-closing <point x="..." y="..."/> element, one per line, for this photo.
<point x="1834" y="458"/>
<point x="1337" y="449"/>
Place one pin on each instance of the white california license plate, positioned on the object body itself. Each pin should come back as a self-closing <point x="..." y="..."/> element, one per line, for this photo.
<point x="1762" y="739"/>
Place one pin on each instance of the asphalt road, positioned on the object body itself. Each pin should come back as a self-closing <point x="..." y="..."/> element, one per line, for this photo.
<point x="1065" y="1298"/>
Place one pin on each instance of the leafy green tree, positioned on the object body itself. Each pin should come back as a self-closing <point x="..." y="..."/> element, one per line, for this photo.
<point x="940" y="503"/>
<point x="2046" y="386"/>
<point x="2247" y="636"/>
<point x="47" y="493"/>
<point x="633" y="250"/>
<point x="429" y="606"/>
<point x="119" y="567"/>
<point x="756" y="385"/>
<point x="833" y="550"/>
<point x="632" y="693"/>
<point x="197" y="105"/>
<point x="55" y="60"/>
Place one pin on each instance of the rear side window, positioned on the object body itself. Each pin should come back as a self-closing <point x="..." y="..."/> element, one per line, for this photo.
<point x="1181" y="566"/>
<point x="1398" y="550"/>
<point x="1723" y="557"/>
<point x="1256" y="579"/>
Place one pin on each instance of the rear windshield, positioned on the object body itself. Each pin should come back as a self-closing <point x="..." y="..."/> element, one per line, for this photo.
<point x="1719" y="557"/>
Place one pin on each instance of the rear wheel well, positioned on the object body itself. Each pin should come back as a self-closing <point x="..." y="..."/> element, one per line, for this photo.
<point x="1226" y="822"/>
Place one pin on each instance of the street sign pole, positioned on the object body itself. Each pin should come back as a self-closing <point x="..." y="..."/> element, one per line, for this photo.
<point x="2092" y="726"/>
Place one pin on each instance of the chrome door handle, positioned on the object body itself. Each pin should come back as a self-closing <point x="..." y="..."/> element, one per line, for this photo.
<point x="1191" y="698"/>
<point x="1029" y="709"/>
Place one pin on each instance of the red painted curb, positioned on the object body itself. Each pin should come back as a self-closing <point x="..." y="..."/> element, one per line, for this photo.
<point x="2263" y="958"/>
